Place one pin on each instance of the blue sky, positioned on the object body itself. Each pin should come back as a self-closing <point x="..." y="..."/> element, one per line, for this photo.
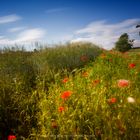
<point x="55" y="21"/>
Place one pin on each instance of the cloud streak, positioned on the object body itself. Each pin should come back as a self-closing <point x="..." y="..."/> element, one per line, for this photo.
<point x="9" y="18"/>
<point x="30" y="35"/>
<point x="55" y="10"/>
<point x="24" y="37"/>
<point x="15" y="29"/>
<point x="106" y="34"/>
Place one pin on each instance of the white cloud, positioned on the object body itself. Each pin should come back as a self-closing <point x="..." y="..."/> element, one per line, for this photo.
<point x="24" y="37"/>
<point x="30" y="35"/>
<point x="55" y="10"/>
<point x="137" y="43"/>
<point x="9" y="18"/>
<point x="16" y="29"/>
<point x="106" y="34"/>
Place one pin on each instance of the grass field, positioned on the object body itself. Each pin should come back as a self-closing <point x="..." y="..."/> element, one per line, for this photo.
<point x="70" y="92"/>
<point x="135" y="50"/>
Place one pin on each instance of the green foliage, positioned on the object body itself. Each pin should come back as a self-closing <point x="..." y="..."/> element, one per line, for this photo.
<point x="123" y="44"/>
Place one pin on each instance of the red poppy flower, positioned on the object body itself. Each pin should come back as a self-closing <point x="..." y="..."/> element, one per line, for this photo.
<point x="65" y="80"/>
<point x="95" y="82"/>
<point x="11" y="137"/>
<point x="123" y="83"/>
<point x="66" y="94"/>
<point x="85" y="74"/>
<point x="61" y="108"/>
<point x="112" y="100"/>
<point x="132" y="65"/>
<point x="84" y="58"/>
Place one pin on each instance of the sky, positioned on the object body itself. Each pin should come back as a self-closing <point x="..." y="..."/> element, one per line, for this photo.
<point x="101" y="22"/>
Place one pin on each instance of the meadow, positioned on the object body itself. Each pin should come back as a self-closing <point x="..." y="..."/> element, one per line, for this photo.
<point x="70" y="92"/>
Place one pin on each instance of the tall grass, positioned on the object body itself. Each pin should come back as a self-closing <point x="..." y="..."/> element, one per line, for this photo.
<point x="69" y="56"/>
<point x="94" y="94"/>
<point x="92" y="104"/>
<point x="24" y="81"/>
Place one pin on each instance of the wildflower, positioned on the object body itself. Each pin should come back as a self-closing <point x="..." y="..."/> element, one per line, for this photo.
<point x="95" y="82"/>
<point x="66" y="94"/>
<point x="65" y="80"/>
<point x="103" y="55"/>
<point x="85" y="74"/>
<point x="123" y="83"/>
<point x="61" y="108"/>
<point x="130" y="100"/>
<point x="112" y="100"/>
<point x="132" y="65"/>
<point x="11" y="137"/>
<point x="84" y="58"/>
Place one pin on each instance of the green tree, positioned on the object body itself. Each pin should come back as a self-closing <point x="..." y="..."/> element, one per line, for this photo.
<point x="123" y="44"/>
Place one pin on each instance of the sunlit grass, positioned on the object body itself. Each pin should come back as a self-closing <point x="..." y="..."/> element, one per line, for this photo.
<point x="97" y="100"/>
<point x="78" y="92"/>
